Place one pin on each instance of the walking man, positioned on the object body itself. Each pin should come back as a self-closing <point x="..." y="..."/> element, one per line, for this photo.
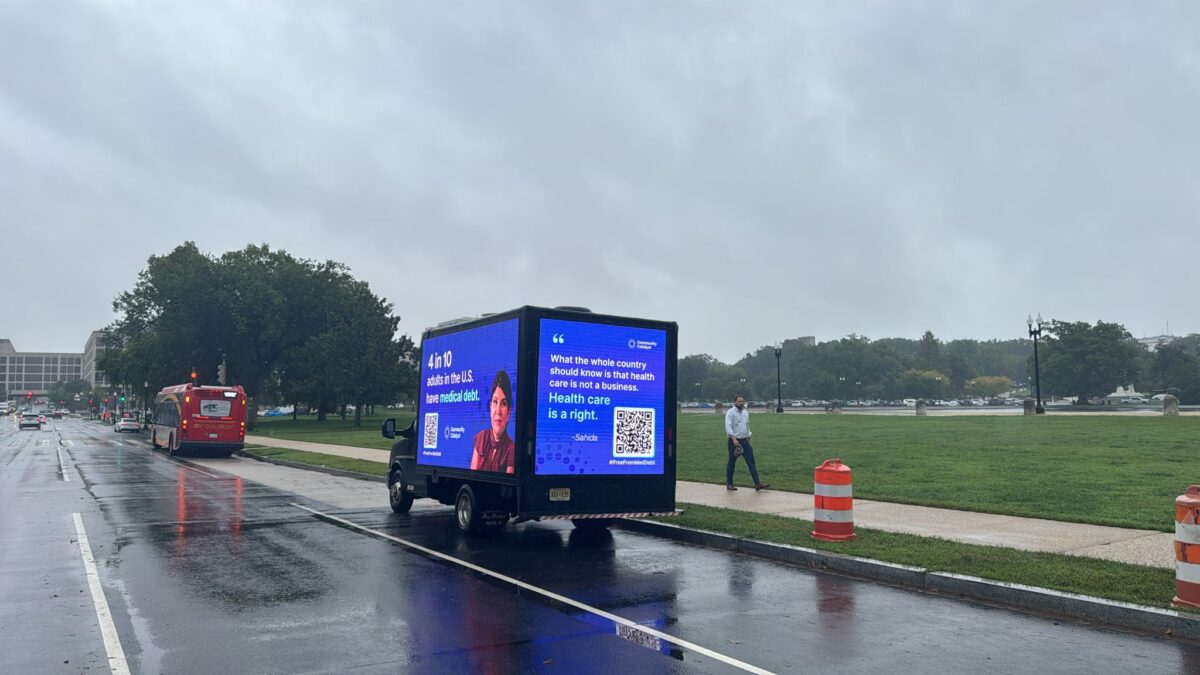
<point x="737" y="430"/>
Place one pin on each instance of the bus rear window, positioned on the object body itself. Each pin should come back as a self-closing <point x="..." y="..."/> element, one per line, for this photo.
<point x="215" y="407"/>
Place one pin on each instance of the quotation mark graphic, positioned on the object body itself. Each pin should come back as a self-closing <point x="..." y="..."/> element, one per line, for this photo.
<point x="558" y="339"/>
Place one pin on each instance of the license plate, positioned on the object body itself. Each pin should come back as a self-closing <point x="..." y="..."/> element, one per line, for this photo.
<point x="639" y="637"/>
<point x="212" y="435"/>
<point x="560" y="494"/>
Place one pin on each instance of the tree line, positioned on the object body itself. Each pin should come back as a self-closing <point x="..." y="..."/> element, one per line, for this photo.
<point x="1077" y="359"/>
<point x="302" y="331"/>
<point x="287" y="329"/>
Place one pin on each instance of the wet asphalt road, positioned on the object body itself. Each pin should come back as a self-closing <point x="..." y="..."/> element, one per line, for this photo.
<point x="206" y="568"/>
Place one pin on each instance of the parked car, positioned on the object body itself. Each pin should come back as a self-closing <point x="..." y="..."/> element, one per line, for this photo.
<point x="127" y="424"/>
<point x="30" y="421"/>
<point x="41" y="419"/>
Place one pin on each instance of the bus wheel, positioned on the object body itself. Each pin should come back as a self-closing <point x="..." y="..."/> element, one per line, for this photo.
<point x="171" y="445"/>
<point x="153" y="440"/>
<point x="400" y="499"/>
<point x="466" y="510"/>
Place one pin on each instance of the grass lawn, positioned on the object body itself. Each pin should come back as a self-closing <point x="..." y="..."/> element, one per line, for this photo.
<point x="333" y="430"/>
<point x="1099" y="578"/>
<point x="1107" y="470"/>
<point x="320" y="459"/>
<point x="1123" y="471"/>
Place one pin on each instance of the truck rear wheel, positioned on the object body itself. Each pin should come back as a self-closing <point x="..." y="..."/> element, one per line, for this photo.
<point x="591" y="524"/>
<point x="400" y="499"/>
<point x="466" y="510"/>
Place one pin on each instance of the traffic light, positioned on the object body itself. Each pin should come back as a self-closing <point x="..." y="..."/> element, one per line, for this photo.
<point x="122" y="398"/>
<point x="29" y="396"/>
<point x="195" y="375"/>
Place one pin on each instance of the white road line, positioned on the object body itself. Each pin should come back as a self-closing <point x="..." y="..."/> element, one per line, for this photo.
<point x="62" y="466"/>
<point x="728" y="660"/>
<point x="108" y="630"/>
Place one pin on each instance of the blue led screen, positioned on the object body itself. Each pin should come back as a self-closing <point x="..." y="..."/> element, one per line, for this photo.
<point x="468" y="409"/>
<point x="600" y="398"/>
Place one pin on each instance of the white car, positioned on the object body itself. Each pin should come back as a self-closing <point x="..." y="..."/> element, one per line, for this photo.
<point x="127" y="424"/>
<point x="30" y="420"/>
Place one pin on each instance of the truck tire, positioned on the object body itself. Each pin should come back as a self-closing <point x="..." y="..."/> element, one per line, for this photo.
<point x="400" y="499"/>
<point x="466" y="510"/>
<point x="591" y="524"/>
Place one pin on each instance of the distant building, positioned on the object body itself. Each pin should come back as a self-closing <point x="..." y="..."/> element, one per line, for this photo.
<point x="23" y="372"/>
<point x="807" y="341"/>
<point x="97" y="344"/>
<point x="1153" y="343"/>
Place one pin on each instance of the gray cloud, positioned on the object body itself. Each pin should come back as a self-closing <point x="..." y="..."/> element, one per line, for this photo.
<point x="751" y="170"/>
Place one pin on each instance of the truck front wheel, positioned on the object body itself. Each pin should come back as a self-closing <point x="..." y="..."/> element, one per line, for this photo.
<point x="466" y="510"/>
<point x="400" y="499"/>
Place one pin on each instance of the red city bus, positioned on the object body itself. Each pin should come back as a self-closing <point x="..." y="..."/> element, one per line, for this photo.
<point x="199" y="417"/>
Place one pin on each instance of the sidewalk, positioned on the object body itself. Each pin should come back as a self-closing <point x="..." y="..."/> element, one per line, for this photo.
<point x="1139" y="547"/>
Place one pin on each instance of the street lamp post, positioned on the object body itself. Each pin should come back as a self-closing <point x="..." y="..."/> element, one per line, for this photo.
<point x="778" y="378"/>
<point x="1035" y="332"/>
<point x="697" y="392"/>
<point x="840" y="388"/>
<point x="858" y="383"/>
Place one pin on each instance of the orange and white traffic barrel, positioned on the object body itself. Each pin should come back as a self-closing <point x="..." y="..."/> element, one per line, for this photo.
<point x="833" y="501"/>
<point x="1187" y="549"/>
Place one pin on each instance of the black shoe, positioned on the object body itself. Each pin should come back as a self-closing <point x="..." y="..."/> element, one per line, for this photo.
<point x="731" y="488"/>
<point x="761" y="486"/>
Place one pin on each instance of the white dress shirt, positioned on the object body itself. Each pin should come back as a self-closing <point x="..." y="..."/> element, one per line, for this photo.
<point x="737" y="422"/>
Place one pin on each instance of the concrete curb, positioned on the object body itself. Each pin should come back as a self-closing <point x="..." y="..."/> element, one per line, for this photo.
<point x="1126" y="615"/>
<point x="311" y="467"/>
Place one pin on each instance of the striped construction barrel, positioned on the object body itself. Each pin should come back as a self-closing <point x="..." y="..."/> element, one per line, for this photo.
<point x="833" y="502"/>
<point x="1187" y="549"/>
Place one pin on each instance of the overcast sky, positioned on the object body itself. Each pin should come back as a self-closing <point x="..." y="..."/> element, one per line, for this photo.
<point x="754" y="171"/>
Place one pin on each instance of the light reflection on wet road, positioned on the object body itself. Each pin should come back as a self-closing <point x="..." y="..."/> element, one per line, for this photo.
<point x="206" y="571"/>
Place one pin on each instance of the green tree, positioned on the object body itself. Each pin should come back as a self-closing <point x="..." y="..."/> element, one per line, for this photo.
<point x="988" y="385"/>
<point x="66" y="391"/>
<point x="929" y="384"/>
<point x="1176" y="366"/>
<point x="929" y="353"/>
<point x="693" y="371"/>
<point x="254" y="307"/>
<point x="1085" y="361"/>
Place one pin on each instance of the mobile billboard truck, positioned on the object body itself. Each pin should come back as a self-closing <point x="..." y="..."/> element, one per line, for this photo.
<point x="540" y="414"/>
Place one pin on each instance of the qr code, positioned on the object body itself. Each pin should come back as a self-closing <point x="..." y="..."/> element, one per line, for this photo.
<point x="431" y="431"/>
<point x="633" y="432"/>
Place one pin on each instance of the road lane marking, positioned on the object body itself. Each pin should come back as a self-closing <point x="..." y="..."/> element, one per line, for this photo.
<point x="620" y="621"/>
<point x="108" y="629"/>
<point x="62" y="465"/>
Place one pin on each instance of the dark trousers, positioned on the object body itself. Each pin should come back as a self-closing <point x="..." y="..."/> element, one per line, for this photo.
<point x="747" y="454"/>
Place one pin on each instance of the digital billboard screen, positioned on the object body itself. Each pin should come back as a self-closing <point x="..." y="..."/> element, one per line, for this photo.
<point x="600" y="399"/>
<point x="468" y="399"/>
